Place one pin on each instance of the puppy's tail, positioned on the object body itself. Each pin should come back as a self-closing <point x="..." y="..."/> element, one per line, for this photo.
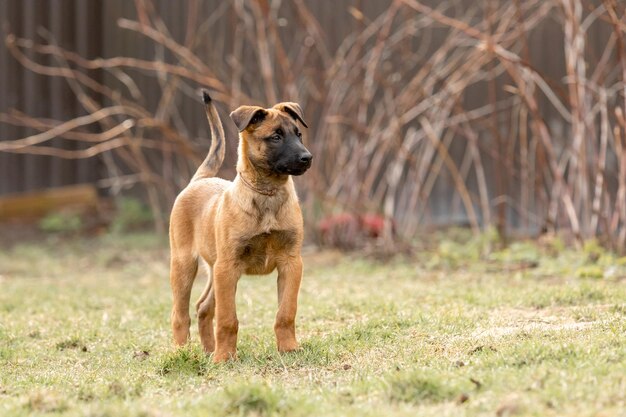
<point x="214" y="159"/>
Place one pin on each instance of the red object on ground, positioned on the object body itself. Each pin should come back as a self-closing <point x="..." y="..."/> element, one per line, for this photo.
<point x="349" y="229"/>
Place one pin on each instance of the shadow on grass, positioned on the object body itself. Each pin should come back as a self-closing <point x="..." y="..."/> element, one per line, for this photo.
<point x="420" y="386"/>
<point x="261" y="353"/>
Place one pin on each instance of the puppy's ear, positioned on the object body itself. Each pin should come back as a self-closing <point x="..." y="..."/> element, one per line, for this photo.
<point x="292" y="109"/>
<point x="245" y="116"/>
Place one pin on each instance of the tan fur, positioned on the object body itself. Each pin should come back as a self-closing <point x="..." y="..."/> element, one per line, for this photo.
<point x="235" y="229"/>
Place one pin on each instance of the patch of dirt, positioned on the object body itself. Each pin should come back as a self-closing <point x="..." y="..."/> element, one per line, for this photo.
<point x="510" y="321"/>
<point x="509" y="330"/>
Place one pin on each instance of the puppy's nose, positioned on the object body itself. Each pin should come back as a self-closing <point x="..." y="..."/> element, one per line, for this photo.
<point x="306" y="158"/>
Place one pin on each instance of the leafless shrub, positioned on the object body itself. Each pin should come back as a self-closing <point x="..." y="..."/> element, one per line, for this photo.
<point x="391" y="120"/>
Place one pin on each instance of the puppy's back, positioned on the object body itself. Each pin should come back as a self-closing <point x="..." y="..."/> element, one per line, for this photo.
<point x="193" y="205"/>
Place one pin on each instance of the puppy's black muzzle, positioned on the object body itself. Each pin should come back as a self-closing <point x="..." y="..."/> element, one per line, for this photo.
<point x="306" y="159"/>
<point x="290" y="156"/>
<point x="300" y="164"/>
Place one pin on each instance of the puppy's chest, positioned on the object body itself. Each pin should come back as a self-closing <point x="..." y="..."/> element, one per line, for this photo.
<point x="267" y="212"/>
<point x="258" y="253"/>
<point x="266" y="236"/>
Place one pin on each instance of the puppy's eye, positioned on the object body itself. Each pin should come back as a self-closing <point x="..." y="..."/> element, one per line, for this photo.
<point x="298" y="134"/>
<point x="275" y="138"/>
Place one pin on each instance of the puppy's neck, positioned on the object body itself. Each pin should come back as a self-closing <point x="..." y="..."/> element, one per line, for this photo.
<point x="261" y="182"/>
<point x="257" y="179"/>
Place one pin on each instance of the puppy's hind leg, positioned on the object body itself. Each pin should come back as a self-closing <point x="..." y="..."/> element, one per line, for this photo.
<point x="183" y="271"/>
<point x="205" y="307"/>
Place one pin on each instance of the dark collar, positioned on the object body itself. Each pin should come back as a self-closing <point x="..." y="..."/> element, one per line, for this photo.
<point x="271" y="192"/>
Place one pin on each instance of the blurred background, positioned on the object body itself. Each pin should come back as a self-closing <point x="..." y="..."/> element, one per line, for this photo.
<point x="504" y="117"/>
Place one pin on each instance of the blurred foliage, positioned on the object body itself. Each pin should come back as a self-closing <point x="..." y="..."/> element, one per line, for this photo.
<point x="131" y="215"/>
<point x="545" y="256"/>
<point x="457" y="246"/>
<point x="61" y="222"/>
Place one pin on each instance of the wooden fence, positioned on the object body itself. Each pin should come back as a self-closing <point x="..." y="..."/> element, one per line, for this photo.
<point x="90" y="28"/>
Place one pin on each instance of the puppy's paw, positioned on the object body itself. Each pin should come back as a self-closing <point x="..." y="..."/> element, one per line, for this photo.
<point x="222" y="357"/>
<point x="288" y="346"/>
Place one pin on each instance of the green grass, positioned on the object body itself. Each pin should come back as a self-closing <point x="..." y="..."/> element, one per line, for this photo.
<point x="84" y="331"/>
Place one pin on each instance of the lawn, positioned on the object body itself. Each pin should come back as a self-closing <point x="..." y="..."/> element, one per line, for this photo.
<point x="535" y="329"/>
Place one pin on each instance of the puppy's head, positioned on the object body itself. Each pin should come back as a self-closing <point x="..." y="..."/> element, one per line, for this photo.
<point x="271" y="139"/>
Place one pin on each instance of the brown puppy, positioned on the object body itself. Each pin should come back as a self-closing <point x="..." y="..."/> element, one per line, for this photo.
<point x="252" y="225"/>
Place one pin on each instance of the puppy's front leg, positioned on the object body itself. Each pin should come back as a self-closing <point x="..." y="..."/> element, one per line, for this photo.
<point x="225" y="279"/>
<point x="289" y="278"/>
